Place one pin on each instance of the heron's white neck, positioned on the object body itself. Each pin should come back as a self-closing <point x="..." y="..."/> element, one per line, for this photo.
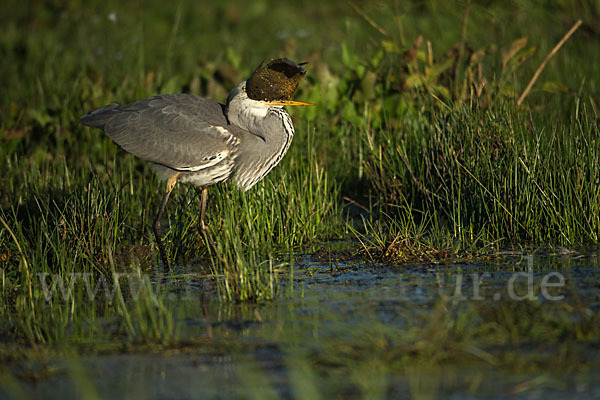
<point x="250" y="118"/>
<point x="247" y="113"/>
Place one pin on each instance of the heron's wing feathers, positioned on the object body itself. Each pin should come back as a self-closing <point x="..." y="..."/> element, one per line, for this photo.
<point x="182" y="132"/>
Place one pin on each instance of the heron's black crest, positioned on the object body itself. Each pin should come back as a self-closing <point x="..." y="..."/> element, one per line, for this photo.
<point x="277" y="80"/>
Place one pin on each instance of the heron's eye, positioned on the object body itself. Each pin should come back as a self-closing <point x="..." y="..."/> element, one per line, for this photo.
<point x="244" y="88"/>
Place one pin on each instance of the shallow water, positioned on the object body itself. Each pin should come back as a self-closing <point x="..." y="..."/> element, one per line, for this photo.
<point x="353" y="322"/>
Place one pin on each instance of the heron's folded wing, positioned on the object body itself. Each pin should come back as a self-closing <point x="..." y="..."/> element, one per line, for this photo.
<point x="182" y="132"/>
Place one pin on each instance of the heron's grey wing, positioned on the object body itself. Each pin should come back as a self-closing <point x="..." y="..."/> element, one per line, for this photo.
<point x="182" y="132"/>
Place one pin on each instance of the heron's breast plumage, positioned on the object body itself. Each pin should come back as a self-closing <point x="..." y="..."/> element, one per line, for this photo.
<point x="255" y="164"/>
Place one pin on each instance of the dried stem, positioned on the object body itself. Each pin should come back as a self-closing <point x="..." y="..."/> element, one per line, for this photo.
<point x="548" y="57"/>
<point x="368" y="19"/>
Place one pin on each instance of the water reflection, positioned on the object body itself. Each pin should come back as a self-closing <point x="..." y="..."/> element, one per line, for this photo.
<point x="504" y="326"/>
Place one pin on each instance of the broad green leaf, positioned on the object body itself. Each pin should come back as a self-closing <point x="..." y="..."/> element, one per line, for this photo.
<point x="389" y="46"/>
<point x="41" y="117"/>
<point x="414" y="80"/>
<point x="376" y="60"/>
<point x="436" y="69"/>
<point x="521" y="58"/>
<point x="513" y="50"/>
<point x="555" y="87"/>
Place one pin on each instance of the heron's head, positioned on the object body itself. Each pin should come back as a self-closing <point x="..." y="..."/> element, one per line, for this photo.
<point x="269" y="86"/>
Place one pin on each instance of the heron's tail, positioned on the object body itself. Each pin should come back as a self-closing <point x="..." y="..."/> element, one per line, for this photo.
<point x="97" y="118"/>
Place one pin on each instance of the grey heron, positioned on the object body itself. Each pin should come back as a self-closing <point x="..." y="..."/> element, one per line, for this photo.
<point x="194" y="140"/>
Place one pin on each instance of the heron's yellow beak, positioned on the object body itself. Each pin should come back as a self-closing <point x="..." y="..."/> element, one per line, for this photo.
<point x="288" y="103"/>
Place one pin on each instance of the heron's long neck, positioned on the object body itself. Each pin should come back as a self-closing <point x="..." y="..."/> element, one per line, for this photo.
<point x="256" y="158"/>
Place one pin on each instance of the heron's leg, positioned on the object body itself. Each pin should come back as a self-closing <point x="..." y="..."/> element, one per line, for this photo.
<point x="157" y="228"/>
<point x="203" y="207"/>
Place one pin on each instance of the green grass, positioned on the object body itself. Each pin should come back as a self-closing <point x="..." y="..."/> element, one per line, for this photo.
<point x="423" y="134"/>
<point x="491" y="176"/>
